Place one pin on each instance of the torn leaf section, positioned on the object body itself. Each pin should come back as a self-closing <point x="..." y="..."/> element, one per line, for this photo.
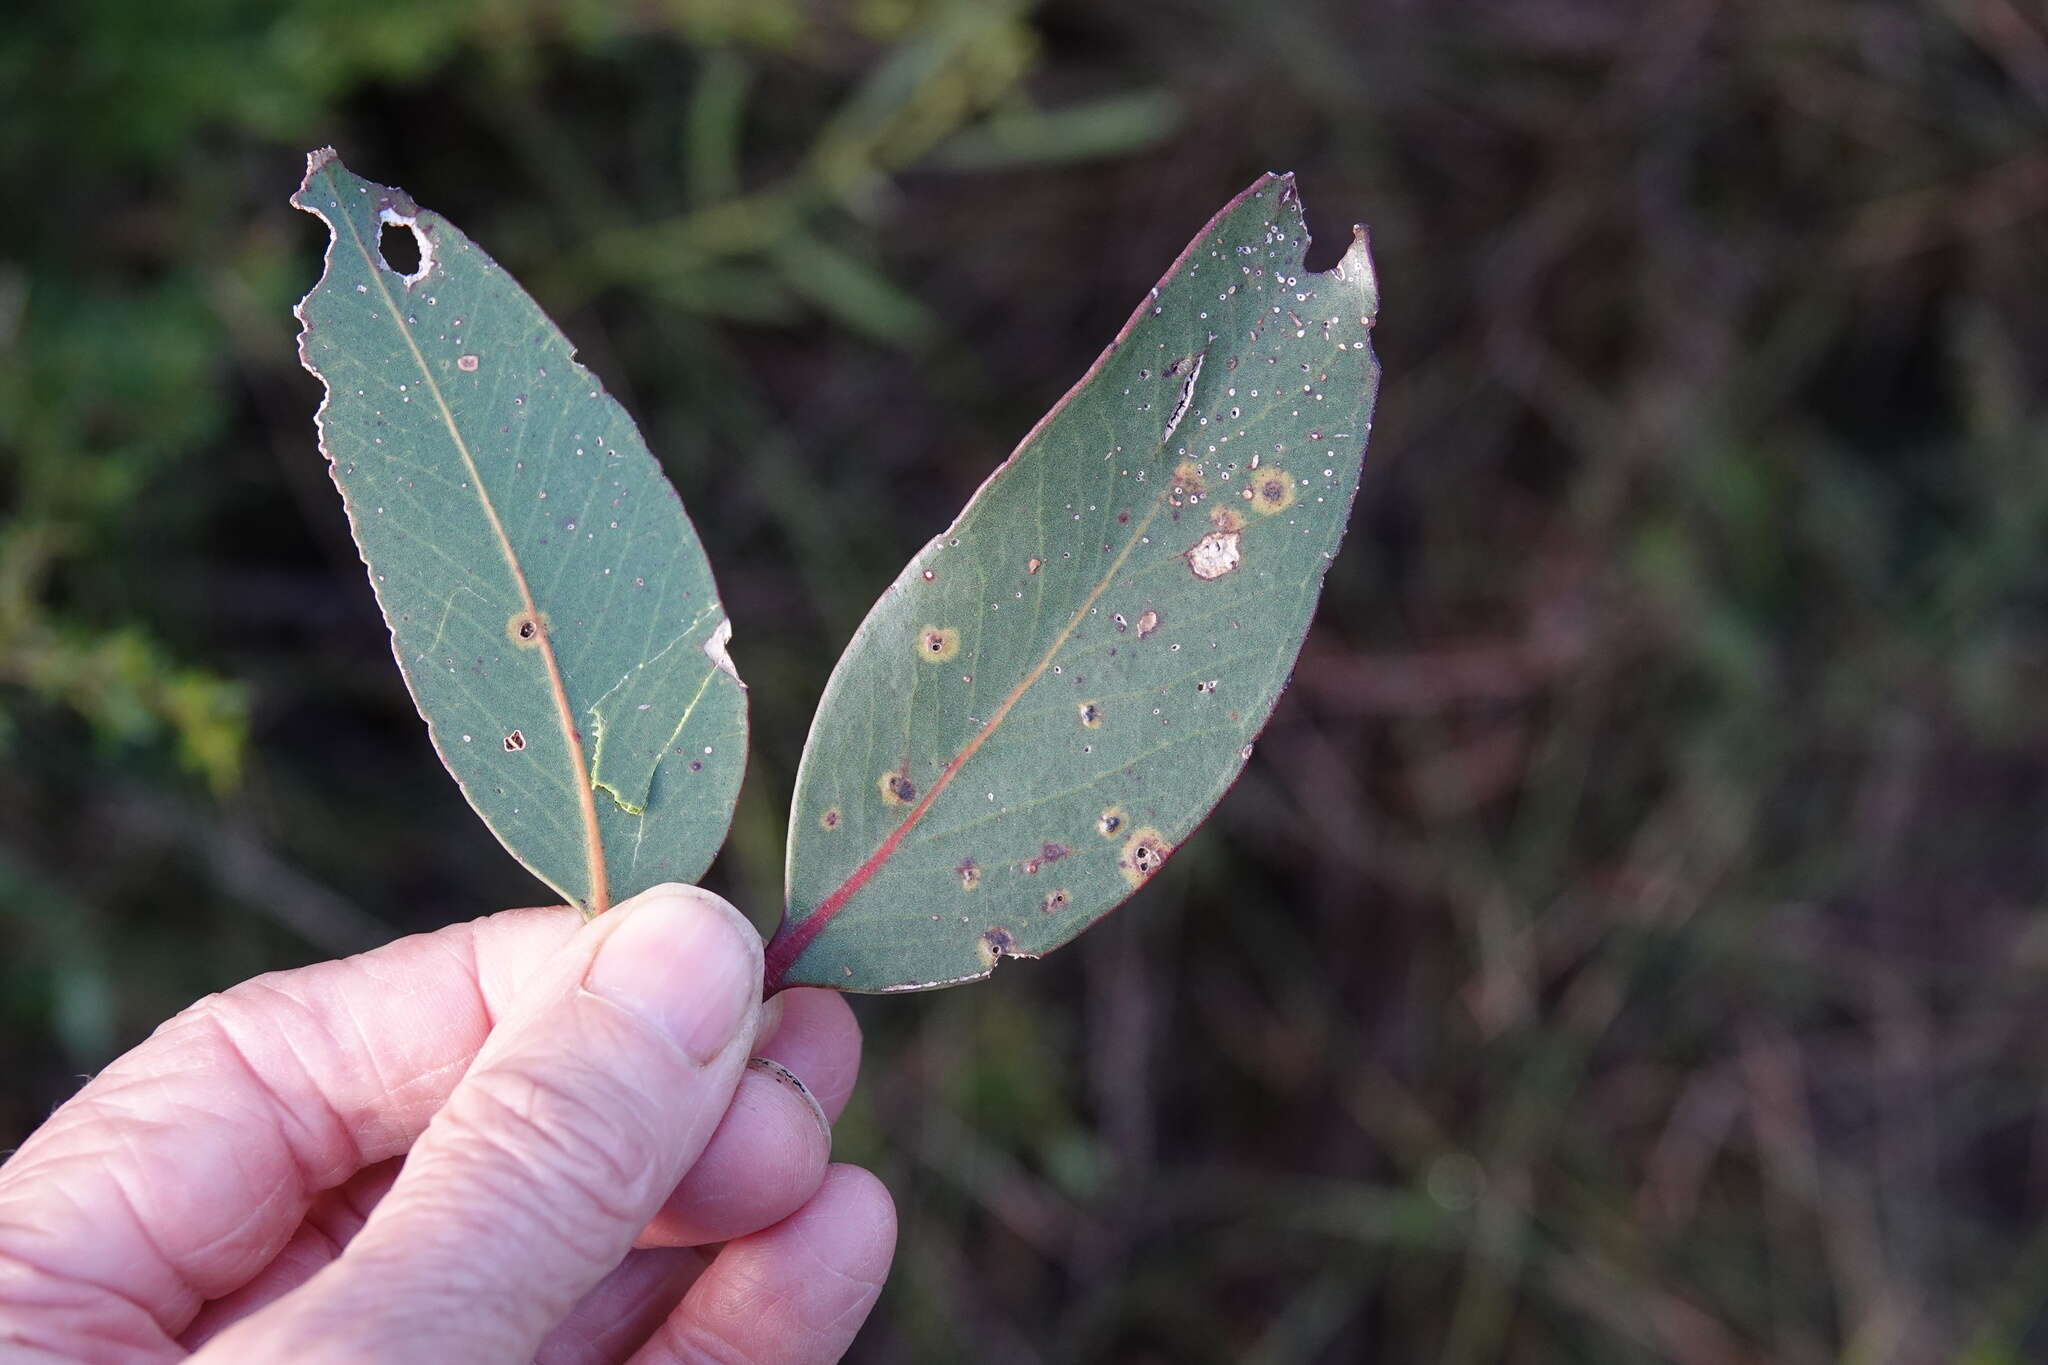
<point x="636" y="724"/>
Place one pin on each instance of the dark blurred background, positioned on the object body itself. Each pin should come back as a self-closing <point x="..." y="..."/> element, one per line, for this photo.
<point x="1628" y="943"/>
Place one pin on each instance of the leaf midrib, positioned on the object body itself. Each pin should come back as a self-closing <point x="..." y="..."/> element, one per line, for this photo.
<point x="593" y="843"/>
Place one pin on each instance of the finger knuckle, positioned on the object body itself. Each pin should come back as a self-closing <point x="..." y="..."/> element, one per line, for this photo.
<point x="577" y="1151"/>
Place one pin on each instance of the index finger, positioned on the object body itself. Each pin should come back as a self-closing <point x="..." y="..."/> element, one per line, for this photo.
<point x="184" y="1167"/>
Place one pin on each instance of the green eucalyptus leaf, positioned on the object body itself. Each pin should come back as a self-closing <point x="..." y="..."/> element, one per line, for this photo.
<point x="1059" y="687"/>
<point x="549" y="602"/>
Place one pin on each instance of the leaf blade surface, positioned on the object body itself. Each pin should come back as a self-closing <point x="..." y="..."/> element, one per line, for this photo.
<point x="1057" y="689"/>
<point x="543" y="585"/>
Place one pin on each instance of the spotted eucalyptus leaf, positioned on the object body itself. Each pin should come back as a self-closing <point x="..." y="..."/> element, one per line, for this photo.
<point x="1060" y="686"/>
<point x="549" y="603"/>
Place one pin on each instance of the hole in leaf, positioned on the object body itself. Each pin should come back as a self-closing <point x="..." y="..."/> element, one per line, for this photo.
<point x="995" y="942"/>
<point x="399" y="248"/>
<point x="525" y="628"/>
<point x="1143" y="855"/>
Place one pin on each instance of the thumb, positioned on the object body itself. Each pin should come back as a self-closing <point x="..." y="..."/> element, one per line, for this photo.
<point x="580" y="1114"/>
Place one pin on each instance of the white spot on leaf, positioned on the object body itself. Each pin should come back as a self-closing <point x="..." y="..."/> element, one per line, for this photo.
<point x="1214" y="555"/>
<point x="714" y="649"/>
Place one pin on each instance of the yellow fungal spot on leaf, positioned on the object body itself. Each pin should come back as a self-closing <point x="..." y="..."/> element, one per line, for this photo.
<point x="896" y="789"/>
<point x="1055" y="901"/>
<point x="994" y="944"/>
<point x="1225" y="519"/>
<point x="830" y="819"/>
<point x="525" y="628"/>
<point x="1148" y="623"/>
<point x="1272" y="491"/>
<point x="1111" y="822"/>
<point x="1144" y="854"/>
<point x="969" y="874"/>
<point x="1033" y="565"/>
<point x="1214" y="555"/>
<point x="1090" y="714"/>
<point x="936" y="644"/>
<point x="1187" y="476"/>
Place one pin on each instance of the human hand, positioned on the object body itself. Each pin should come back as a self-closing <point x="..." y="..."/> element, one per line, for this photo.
<point x="499" y="1142"/>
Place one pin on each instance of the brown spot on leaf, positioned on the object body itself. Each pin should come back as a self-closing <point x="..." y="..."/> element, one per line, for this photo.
<point x="514" y="742"/>
<point x="467" y="364"/>
<point x="1187" y="478"/>
<point x="937" y="644"/>
<point x="897" y="789"/>
<point x="830" y="819"/>
<point x="1214" y="555"/>
<point x="526" y="628"/>
<point x="1033" y="565"/>
<point x="1144" y="854"/>
<point x="1147" y="623"/>
<point x="995" y="944"/>
<point x="1225" y="519"/>
<point x="1091" y="715"/>
<point x="1111" y="822"/>
<point x="969" y="873"/>
<point x="1272" y="491"/>
<point x="1047" y="853"/>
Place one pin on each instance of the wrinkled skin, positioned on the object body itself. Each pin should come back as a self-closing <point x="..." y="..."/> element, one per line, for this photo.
<point x="514" y="1139"/>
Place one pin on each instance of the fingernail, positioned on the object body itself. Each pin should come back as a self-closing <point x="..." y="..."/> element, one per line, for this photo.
<point x="681" y="965"/>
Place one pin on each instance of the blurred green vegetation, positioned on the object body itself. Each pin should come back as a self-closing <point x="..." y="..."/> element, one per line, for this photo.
<point x="1628" y="944"/>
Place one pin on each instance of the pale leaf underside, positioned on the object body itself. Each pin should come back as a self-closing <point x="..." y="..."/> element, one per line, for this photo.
<point x="549" y="602"/>
<point x="1059" y="688"/>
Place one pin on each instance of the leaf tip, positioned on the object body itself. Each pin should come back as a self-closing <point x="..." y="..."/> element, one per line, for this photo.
<point x="317" y="162"/>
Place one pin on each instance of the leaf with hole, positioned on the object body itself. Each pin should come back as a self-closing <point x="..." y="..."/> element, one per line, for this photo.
<point x="549" y="603"/>
<point x="1061" y="685"/>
